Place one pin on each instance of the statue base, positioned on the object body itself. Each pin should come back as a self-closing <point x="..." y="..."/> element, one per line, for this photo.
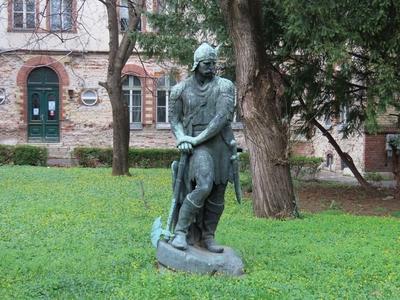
<point x="199" y="260"/>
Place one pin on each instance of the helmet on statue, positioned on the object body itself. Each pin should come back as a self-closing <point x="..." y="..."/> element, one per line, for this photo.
<point x="204" y="52"/>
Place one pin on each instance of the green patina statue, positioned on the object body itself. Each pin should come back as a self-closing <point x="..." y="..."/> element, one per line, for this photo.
<point x="201" y="111"/>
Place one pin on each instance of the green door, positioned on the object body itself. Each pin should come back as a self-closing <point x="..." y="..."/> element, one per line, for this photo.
<point x="43" y="106"/>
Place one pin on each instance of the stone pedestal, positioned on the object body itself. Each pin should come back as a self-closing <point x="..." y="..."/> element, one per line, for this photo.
<point x="200" y="261"/>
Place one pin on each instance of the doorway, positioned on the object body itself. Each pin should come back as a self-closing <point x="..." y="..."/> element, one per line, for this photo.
<point x="43" y="106"/>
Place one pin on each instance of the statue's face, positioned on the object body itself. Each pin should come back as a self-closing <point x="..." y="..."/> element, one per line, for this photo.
<point x="206" y="68"/>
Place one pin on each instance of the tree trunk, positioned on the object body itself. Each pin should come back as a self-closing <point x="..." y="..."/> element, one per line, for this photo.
<point x="343" y="155"/>
<point x="119" y="53"/>
<point x="120" y="112"/>
<point x="260" y="91"/>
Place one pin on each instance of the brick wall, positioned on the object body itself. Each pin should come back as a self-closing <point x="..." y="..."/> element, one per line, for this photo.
<point x="302" y="148"/>
<point x="376" y="159"/>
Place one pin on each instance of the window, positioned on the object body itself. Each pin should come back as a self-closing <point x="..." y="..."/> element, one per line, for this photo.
<point x="61" y="15"/>
<point x="344" y="113"/>
<point x="24" y="14"/>
<point x="329" y="161"/>
<point x="327" y="122"/>
<point x="89" y="97"/>
<point x="132" y="94"/>
<point x="237" y="121"/>
<point x="389" y="138"/>
<point x="164" y="86"/>
<point x="236" y="115"/>
<point x="343" y="164"/>
<point x="2" y="96"/>
<point x="124" y="17"/>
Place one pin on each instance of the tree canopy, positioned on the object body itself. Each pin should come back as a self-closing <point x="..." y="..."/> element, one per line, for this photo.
<point x="331" y="54"/>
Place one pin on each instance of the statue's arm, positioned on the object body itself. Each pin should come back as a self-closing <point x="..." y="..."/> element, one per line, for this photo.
<point x="176" y="111"/>
<point x="225" y="108"/>
<point x="175" y="118"/>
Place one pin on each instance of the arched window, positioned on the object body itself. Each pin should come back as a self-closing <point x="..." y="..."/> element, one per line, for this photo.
<point x="132" y="94"/>
<point x="164" y="85"/>
<point x="329" y="160"/>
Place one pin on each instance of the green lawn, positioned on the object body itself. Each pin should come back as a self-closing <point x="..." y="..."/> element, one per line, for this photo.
<point x="81" y="233"/>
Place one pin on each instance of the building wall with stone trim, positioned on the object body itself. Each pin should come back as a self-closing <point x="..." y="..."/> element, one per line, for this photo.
<point x="79" y="57"/>
<point x="82" y="125"/>
<point x="354" y="145"/>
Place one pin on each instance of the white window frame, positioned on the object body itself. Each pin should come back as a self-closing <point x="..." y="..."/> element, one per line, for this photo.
<point x="344" y="111"/>
<point x="167" y="89"/>
<point x="235" y="123"/>
<point x="24" y="13"/>
<point x="61" y="15"/>
<point x="131" y="88"/>
<point x="327" y="122"/>
<point x="329" y="161"/>
<point x="2" y="96"/>
<point x="124" y="16"/>
<point x="84" y="98"/>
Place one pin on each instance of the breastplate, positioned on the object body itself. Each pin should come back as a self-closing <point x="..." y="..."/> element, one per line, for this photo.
<point x="199" y="104"/>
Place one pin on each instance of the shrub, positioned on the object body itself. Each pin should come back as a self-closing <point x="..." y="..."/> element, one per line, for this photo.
<point x="246" y="182"/>
<point x="6" y="154"/>
<point x="139" y="158"/>
<point x="244" y="159"/>
<point x="373" y="176"/>
<point x="152" y="158"/>
<point x="93" y="157"/>
<point x="304" y="166"/>
<point x="30" y="155"/>
<point x="301" y="167"/>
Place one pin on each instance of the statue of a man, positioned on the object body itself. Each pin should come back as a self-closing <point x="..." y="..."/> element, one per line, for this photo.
<point x="201" y="111"/>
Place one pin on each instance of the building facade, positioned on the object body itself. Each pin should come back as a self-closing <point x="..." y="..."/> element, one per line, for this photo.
<point x="54" y="53"/>
<point x="53" y="56"/>
<point x="370" y="152"/>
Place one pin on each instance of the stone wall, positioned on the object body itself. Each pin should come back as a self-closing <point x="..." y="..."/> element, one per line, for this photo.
<point x="353" y="145"/>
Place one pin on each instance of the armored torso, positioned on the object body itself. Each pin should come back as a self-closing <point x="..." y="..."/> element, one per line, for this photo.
<point x="198" y="107"/>
<point x="199" y="103"/>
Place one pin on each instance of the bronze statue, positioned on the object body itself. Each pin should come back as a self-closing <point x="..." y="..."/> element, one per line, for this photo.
<point x="201" y="110"/>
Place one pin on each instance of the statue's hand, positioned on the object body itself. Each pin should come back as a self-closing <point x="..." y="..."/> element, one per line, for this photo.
<point x="185" y="147"/>
<point x="188" y="139"/>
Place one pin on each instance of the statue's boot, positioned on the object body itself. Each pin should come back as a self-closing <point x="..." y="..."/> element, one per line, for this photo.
<point x="186" y="216"/>
<point x="212" y="214"/>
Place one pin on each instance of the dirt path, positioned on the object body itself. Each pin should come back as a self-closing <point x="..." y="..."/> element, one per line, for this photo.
<point x="315" y="197"/>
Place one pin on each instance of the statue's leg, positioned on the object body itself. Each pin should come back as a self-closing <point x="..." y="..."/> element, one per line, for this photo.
<point x="213" y="208"/>
<point x="194" y="201"/>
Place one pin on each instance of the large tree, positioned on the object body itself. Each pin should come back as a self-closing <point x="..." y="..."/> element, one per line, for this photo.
<point x="261" y="91"/>
<point x="292" y="57"/>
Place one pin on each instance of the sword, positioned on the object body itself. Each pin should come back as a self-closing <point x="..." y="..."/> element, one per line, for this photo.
<point x="157" y="230"/>
<point x="235" y="166"/>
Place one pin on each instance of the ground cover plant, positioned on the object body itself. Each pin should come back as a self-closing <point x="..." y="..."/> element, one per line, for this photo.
<point x="82" y="233"/>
